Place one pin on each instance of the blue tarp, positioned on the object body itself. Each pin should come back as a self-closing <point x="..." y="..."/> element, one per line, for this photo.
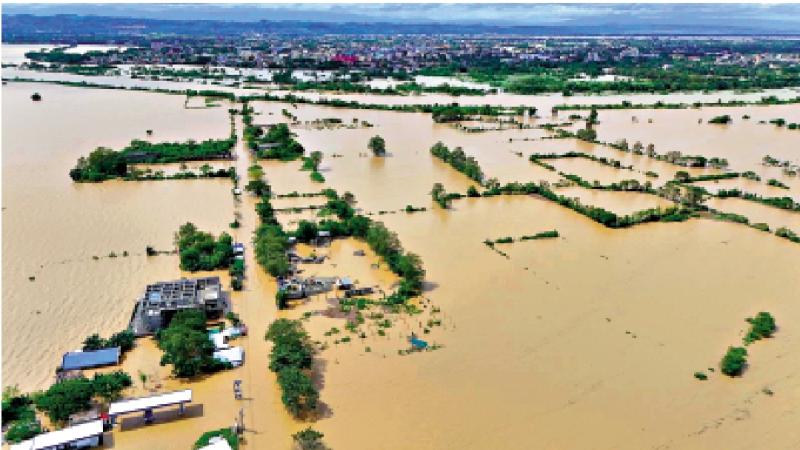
<point x="418" y="343"/>
<point x="94" y="358"/>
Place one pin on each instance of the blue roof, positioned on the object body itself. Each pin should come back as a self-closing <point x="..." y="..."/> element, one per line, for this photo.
<point x="94" y="358"/>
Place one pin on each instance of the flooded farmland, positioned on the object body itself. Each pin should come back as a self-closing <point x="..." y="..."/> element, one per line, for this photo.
<point x="587" y="340"/>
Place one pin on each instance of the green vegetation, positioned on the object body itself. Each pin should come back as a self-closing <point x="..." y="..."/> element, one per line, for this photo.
<point x="761" y="326"/>
<point x="733" y="362"/>
<point x="599" y="215"/>
<point x="377" y="145"/>
<point x="19" y="416"/>
<point x="74" y="395"/>
<point x="442" y="197"/>
<point x="541" y="235"/>
<point x="787" y="234"/>
<point x="225" y="433"/>
<point x="124" y="340"/>
<point x="317" y="177"/>
<point x="37" y="97"/>
<point x="200" y="251"/>
<point x="509" y="240"/>
<point x="277" y="143"/>
<point x="786" y="203"/>
<point x="459" y="160"/>
<point x="724" y="119"/>
<point x="309" y="439"/>
<point x="701" y="376"/>
<point x="270" y="241"/>
<point x="292" y="358"/>
<point x="776" y="183"/>
<point x="103" y="163"/>
<point x="186" y="345"/>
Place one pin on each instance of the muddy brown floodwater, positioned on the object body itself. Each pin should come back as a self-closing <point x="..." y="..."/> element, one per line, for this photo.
<point x="588" y="340"/>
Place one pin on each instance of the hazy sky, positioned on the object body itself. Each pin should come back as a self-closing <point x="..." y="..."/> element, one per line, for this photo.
<point x="783" y="16"/>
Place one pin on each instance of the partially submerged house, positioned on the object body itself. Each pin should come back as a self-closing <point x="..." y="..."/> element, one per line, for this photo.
<point x="162" y="300"/>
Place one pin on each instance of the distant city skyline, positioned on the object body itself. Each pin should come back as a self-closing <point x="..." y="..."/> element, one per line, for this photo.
<point x="764" y="18"/>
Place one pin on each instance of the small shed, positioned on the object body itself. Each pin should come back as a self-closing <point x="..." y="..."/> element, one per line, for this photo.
<point x="90" y="359"/>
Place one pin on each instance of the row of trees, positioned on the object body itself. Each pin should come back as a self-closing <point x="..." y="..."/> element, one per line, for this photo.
<point x="459" y="160"/>
<point x="199" y="250"/>
<point x="70" y="396"/>
<point x="104" y="163"/>
<point x="291" y="357"/>
<point x="124" y="340"/>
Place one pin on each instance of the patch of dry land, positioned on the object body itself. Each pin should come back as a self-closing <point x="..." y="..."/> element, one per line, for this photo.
<point x="590" y="339"/>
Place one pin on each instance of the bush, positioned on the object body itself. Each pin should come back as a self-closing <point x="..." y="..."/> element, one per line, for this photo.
<point x="186" y="345"/>
<point x="700" y="376"/>
<point x="309" y="439"/>
<point x="734" y="361"/>
<point x="724" y="119"/>
<point x="761" y="326"/>
<point x="200" y="251"/>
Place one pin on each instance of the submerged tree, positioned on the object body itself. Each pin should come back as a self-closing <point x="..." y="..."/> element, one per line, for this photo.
<point x="378" y="145"/>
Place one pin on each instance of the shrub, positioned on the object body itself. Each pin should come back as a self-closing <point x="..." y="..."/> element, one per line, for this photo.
<point x="700" y="376"/>
<point x="724" y="119"/>
<point x="734" y="361"/>
<point x="761" y="326"/>
<point x="309" y="439"/>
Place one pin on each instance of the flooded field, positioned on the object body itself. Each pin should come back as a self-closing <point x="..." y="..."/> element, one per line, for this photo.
<point x="587" y="340"/>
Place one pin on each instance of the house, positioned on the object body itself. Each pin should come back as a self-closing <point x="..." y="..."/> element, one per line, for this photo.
<point x="90" y="359"/>
<point x="162" y="300"/>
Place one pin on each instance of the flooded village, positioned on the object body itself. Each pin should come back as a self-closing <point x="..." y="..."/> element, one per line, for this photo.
<point x="563" y="259"/>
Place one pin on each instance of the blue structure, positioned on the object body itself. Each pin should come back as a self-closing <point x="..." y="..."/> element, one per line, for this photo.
<point x="94" y="358"/>
<point x="418" y="344"/>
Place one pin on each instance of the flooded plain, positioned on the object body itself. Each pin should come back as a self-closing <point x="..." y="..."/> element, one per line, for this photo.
<point x="588" y="340"/>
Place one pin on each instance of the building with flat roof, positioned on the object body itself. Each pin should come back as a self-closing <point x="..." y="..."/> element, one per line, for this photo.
<point x="90" y="359"/>
<point x="162" y="300"/>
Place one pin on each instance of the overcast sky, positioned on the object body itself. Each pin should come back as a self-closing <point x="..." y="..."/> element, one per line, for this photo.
<point x="782" y="16"/>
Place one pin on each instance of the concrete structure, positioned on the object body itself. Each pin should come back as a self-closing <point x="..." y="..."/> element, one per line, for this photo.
<point x="147" y="404"/>
<point x="162" y="300"/>
<point x="85" y="435"/>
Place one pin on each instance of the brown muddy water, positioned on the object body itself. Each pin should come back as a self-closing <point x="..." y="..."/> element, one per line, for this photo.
<point x="588" y="340"/>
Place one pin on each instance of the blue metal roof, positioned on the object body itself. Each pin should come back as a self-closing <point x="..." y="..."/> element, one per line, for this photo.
<point x="94" y="358"/>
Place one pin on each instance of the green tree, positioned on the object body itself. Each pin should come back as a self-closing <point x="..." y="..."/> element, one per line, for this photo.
<point x="734" y="361"/>
<point x="309" y="439"/>
<point x="378" y="145"/>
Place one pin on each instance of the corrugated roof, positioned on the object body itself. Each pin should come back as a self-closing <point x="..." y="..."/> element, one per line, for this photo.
<point x="94" y="358"/>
